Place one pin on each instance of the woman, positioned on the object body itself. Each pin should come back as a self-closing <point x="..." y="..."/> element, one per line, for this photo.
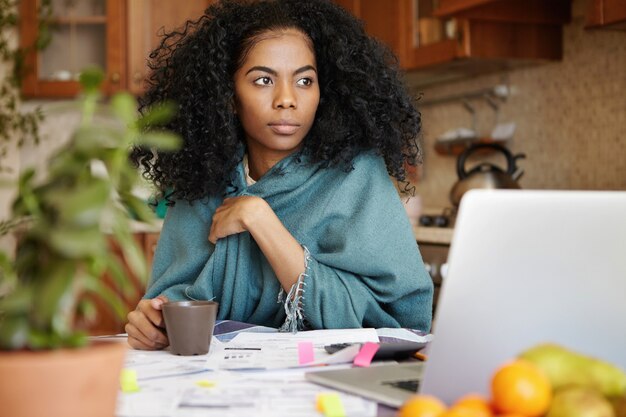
<point x="282" y="208"/>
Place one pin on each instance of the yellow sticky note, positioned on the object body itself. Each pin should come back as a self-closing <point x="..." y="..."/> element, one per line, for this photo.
<point x="330" y="404"/>
<point x="318" y="404"/>
<point x="205" y="383"/>
<point x="128" y="380"/>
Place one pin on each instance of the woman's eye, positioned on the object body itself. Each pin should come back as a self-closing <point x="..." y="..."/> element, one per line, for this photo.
<point x="263" y="81"/>
<point x="305" y="82"/>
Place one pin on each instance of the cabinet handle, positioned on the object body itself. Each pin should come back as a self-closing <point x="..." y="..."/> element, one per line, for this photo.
<point x="137" y="77"/>
<point x="115" y="77"/>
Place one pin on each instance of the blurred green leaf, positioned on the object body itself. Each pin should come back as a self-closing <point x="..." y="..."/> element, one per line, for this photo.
<point x="87" y="311"/>
<point x="54" y="288"/>
<point x="8" y="278"/>
<point x="10" y="225"/>
<point x="124" y="106"/>
<point x="111" y="298"/>
<point x="137" y="207"/>
<point x="26" y="177"/>
<point x="44" y="37"/>
<point x="133" y="254"/>
<point x="157" y="115"/>
<point x="162" y="140"/>
<point x="91" y="78"/>
<point x="43" y="339"/>
<point x="75" y="339"/>
<point x="18" y="303"/>
<point x="13" y="332"/>
<point x="119" y="276"/>
<point x="81" y="205"/>
<point x="64" y="165"/>
<point x="92" y="140"/>
<point x="76" y="243"/>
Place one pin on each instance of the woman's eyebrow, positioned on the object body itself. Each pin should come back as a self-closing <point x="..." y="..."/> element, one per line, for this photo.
<point x="262" y="69"/>
<point x="304" y="69"/>
<point x="273" y="72"/>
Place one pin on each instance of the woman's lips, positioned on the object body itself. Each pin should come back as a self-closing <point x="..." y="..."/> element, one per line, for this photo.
<point x="284" y="128"/>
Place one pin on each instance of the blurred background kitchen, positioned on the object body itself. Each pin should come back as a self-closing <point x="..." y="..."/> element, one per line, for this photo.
<point x="542" y="78"/>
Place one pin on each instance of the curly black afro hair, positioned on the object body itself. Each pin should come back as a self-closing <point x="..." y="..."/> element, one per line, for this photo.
<point x="363" y="102"/>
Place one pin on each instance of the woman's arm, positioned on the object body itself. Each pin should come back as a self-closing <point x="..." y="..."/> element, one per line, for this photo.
<point x="398" y="297"/>
<point x="253" y="214"/>
<point x="181" y="253"/>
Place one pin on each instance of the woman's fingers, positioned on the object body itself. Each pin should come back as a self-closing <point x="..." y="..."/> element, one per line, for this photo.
<point x="144" y="324"/>
<point x="212" y="237"/>
<point x="152" y="310"/>
<point x="229" y="217"/>
<point x="137" y="340"/>
<point x="144" y="330"/>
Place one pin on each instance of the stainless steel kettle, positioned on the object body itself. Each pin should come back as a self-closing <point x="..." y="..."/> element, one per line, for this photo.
<point x="485" y="175"/>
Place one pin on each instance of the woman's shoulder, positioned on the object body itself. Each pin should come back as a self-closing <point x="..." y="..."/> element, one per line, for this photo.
<point x="366" y="170"/>
<point x="369" y="162"/>
<point x="203" y="208"/>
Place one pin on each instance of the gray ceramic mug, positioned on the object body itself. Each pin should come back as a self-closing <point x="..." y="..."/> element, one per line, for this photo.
<point x="189" y="326"/>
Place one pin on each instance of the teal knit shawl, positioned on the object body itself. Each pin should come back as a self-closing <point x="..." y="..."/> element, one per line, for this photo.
<point x="364" y="270"/>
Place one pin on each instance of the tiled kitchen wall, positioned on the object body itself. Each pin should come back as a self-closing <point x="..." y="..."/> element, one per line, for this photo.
<point x="570" y="116"/>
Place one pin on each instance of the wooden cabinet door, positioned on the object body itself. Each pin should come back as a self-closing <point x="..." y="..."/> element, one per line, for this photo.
<point x="610" y="14"/>
<point x="390" y="21"/>
<point x="83" y="34"/>
<point x="463" y="38"/>
<point x="106" y="322"/>
<point x="147" y="19"/>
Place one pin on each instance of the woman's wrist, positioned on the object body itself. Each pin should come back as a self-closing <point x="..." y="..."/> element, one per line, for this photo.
<point x="258" y="212"/>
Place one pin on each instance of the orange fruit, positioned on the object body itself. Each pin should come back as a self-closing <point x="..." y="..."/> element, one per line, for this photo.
<point x="461" y="411"/>
<point x="520" y="387"/>
<point x="422" y="406"/>
<point x="510" y="415"/>
<point x="476" y="403"/>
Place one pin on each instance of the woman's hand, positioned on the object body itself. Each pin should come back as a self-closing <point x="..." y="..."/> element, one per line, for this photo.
<point x="145" y="325"/>
<point x="236" y="215"/>
<point x="253" y="214"/>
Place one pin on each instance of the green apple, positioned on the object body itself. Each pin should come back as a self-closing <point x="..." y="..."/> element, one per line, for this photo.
<point x="579" y="402"/>
<point x="565" y="367"/>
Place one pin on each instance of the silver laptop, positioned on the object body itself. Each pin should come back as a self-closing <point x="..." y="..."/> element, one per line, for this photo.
<point x="525" y="267"/>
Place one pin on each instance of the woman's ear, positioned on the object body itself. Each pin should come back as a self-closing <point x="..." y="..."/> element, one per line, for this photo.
<point x="233" y="105"/>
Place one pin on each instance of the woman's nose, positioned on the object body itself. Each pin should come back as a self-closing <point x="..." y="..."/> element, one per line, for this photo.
<point x="285" y="97"/>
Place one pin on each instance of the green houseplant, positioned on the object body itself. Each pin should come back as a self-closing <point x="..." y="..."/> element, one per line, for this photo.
<point x="65" y="224"/>
<point x="14" y="122"/>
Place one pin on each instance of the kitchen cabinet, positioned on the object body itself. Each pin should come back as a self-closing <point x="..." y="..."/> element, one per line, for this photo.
<point x="434" y="245"/>
<point x="390" y="21"/>
<point x="607" y="14"/>
<point x="84" y="33"/>
<point x="115" y="35"/>
<point x="147" y="19"/>
<point x="435" y="257"/>
<point x="463" y="38"/>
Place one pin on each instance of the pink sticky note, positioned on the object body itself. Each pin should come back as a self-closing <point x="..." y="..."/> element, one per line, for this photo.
<point x="366" y="354"/>
<point x="305" y="353"/>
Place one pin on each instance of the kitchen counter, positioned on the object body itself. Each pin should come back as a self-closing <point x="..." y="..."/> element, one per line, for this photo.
<point x="437" y="235"/>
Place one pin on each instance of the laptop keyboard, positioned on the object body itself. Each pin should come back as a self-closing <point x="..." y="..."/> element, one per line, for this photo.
<point x="408" y="384"/>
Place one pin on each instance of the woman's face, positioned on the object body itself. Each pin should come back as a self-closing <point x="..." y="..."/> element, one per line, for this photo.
<point x="277" y="93"/>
